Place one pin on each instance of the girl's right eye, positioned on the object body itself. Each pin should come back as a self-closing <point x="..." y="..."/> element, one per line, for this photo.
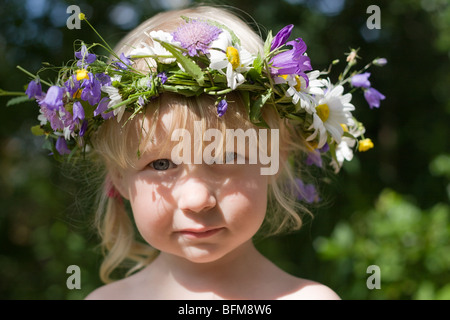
<point x="162" y="164"/>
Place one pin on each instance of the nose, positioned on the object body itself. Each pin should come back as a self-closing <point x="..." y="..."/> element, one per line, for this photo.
<point x="196" y="195"/>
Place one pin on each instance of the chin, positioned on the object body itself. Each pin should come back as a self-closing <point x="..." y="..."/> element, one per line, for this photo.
<point x="197" y="255"/>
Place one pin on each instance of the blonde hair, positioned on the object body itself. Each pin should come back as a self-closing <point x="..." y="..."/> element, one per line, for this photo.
<point x="112" y="146"/>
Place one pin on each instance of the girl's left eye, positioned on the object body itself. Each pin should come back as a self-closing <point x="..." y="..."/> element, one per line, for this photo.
<point x="162" y="164"/>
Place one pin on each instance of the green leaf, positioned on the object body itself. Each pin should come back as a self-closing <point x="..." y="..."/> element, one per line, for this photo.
<point x="348" y="135"/>
<point x="234" y="37"/>
<point x="245" y="95"/>
<point x="187" y="91"/>
<point x="268" y="44"/>
<point x="37" y="130"/>
<point x="17" y="100"/>
<point x="255" y="111"/>
<point x="188" y="65"/>
<point x="258" y="64"/>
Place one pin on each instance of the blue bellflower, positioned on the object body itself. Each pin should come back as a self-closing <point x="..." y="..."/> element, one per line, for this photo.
<point x="54" y="98"/>
<point x="83" y="127"/>
<point x="78" y="111"/>
<point x="91" y="90"/>
<point x="361" y="80"/>
<point x="72" y="85"/>
<point x="373" y="97"/>
<point x="222" y="107"/>
<point x="123" y="63"/>
<point x="281" y="37"/>
<point x="292" y="61"/>
<point x="34" y="89"/>
<point x="85" y="58"/>
<point x="61" y="146"/>
<point x="102" y="107"/>
<point x="307" y="192"/>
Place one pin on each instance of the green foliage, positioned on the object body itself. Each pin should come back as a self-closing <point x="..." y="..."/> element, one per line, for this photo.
<point x="410" y="245"/>
<point x="45" y="226"/>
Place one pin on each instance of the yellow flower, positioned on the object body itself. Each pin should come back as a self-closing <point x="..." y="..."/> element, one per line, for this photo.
<point x="81" y="16"/>
<point x="323" y="111"/>
<point x="77" y="94"/>
<point x="344" y="126"/>
<point x="233" y="56"/>
<point x="82" y="74"/>
<point x="365" y="145"/>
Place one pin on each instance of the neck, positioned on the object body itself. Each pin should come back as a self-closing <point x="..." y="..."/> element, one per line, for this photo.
<point x="242" y="265"/>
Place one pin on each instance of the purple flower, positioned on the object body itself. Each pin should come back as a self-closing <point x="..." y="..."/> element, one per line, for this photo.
<point x="306" y="192"/>
<point x="53" y="117"/>
<point x="72" y="85"/>
<point x="325" y="148"/>
<point x="163" y="77"/>
<point x="281" y="37"/>
<point x="85" y="57"/>
<point x="91" y="90"/>
<point x="124" y="62"/>
<point x="61" y="146"/>
<point x="380" y="62"/>
<point x="78" y="111"/>
<point x="314" y="157"/>
<point x="195" y="36"/>
<point x="292" y="61"/>
<point x="83" y="128"/>
<point x="54" y="98"/>
<point x="104" y="79"/>
<point x="34" y="89"/>
<point x="361" y="80"/>
<point x="222" y="107"/>
<point x="102" y="107"/>
<point x="373" y="97"/>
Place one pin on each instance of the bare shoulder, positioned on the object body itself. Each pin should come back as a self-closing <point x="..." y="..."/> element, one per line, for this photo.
<point x="111" y="291"/>
<point x="310" y="290"/>
<point x="119" y="290"/>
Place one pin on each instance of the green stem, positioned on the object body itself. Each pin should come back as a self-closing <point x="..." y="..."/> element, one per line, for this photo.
<point x="11" y="93"/>
<point x="101" y="38"/>
<point x="33" y="76"/>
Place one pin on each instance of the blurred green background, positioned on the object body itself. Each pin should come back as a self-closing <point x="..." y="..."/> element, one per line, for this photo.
<point x="389" y="207"/>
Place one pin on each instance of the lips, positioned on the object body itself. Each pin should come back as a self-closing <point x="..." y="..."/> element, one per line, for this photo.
<point x="199" y="233"/>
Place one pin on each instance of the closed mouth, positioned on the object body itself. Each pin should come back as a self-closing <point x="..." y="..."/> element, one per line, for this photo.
<point x="199" y="233"/>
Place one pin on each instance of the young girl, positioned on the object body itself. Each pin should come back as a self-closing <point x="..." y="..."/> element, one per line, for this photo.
<point x="200" y="127"/>
<point x="200" y="218"/>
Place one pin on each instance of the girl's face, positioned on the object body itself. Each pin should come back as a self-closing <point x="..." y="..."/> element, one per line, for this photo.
<point x="200" y="212"/>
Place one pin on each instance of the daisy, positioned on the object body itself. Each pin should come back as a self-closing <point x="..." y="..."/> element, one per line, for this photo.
<point x="224" y="54"/>
<point x="163" y="56"/>
<point x="344" y="150"/>
<point x="333" y="109"/>
<point x="115" y="98"/>
<point x="302" y="92"/>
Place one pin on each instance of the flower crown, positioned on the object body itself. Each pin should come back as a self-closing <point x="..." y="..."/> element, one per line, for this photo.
<point x="204" y="57"/>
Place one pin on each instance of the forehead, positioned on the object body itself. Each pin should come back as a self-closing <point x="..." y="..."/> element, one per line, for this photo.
<point x="192" y="115"/>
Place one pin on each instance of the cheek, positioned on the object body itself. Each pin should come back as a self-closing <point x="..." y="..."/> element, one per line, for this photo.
<point x="151" y="208"/>
<point x="246" y="199"/>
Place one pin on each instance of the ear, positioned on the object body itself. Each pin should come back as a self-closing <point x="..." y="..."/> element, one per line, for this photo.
<point x="118" y="182"/>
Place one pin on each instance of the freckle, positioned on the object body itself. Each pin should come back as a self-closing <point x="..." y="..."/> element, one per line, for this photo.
<point x="153" y="196"/>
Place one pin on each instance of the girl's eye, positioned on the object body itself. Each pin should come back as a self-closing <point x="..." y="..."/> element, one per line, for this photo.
<point x="230" y="157"/>
<point x="235" y="157"/>
<point x="162" y="164"/>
